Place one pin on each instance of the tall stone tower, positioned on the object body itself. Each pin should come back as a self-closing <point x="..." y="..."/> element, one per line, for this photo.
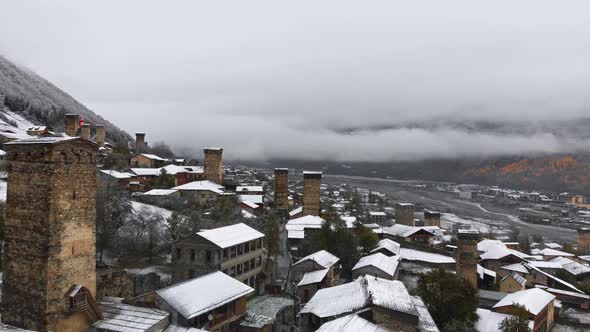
<point x="311" y="193"/>
<point x="281" y="188"/>
<point x="583" y="240"/>
<point x="86" y="132"/>
<point x="49" y="275"/>
<point x="404" y="214"/>
<point x="467" y="256"/>
<point x="101" y="135"/>
<point x="72" y="124"/>
<point x="431" y="218"/>
<point x="139" y="142"/>
<point x="213" y="164"/>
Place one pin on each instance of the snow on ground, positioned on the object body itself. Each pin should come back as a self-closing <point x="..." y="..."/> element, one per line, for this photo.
<point x="447" y="220"/>
<point x="3" y="188"/>
<point x="137" y="206"/>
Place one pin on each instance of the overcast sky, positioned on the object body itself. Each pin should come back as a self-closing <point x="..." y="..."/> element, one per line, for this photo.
<point x="268" y="79"/>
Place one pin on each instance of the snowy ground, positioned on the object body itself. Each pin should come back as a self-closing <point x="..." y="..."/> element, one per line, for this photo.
<point x="137" y="206"/>
<point x="423" y="256"/>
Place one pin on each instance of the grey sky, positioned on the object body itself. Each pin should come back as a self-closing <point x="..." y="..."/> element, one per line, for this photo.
<point x="269" y="79"/>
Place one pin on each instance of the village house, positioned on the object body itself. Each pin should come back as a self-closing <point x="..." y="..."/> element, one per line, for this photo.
<point x="377" y="265"/>
<point x="378" y="218"/>
<point x="210" y="302"/>
<point x="490" y="321"/>
<point x="512" y="283"/>
<point x="268" y="313"/>
<point x="299" y="232"/>
<point x="423" y="235"/>
<point x="146" y="160"/>
<point x="315" y="271"/>
<point x="236" y="250"/>
<point x="184" y="174"/>
<point x="386" y="303"/>
<point x="249" y="190"/>
<point x="351" y="323"/>
<point x="143" y="178"/>
<point x="538" y="303"/>
<point x="387" y="247"/>
<point x="200" y="192"/>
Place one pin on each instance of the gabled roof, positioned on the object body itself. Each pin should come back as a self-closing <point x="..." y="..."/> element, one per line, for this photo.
<point x="203" y="294"/>
<point x="313" y="277"/>
<point x="359" y="294"/>
<point x="249" y="188"/>
<point x="481" y="271"/>
<point x="322" y="257"/>
<point x="160" y="192"/>
<point x="257" y="199"/>
<point x="204" y="185"/>
<point x="405" y="231"/>
<point x="351" y="323"/>
<point x="520" y="280"/>
<point x="116" y="175"/>
<point x="153" y="157"/>
<point x="127" y="318"/>
<point x="384" y="263"/>
<point x="389" y="245"/>
<point x="146" y="171"/>
<point x="553" y="252"/>
<point x="227" y="236"/>
<point x="489" y="321"/>
<point x="494" y="252"/>
<point x="533" y="300"/>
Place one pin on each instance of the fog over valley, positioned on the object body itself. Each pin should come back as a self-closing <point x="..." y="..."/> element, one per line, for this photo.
<point x="336" y="80"/>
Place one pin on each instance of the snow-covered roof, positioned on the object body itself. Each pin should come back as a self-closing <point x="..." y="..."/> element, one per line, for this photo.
<point x="351" y="323"/>
<point x="227" y="236"/>
<point x="553" y="252"/>
<point x="377" y="214"/>
<point x="571" y="266"/>
<point x="295" y="227"/>
<point x="177" y="328"/>
<point x="118" y="316"/>
<point x="384" y="263"/>
<point x="481" y="271"/>
<point x="160" y="192"/>
<point x="146" y="171"/>
<point x="500" y="251"/>
<point x="350" y="221"/>
<point x="517" y="277"/>
<point x="517" y="267"/>
<point x="175" y="169"/>
<point x="247" y="214"/>
<point x="312" y="173"/>
<point x="426" y="323"/>
<point x="405" y="230"/>
<point x="358" y="294"/>
<point x="249" y="188"/>
<point x="313" y="277"/>
<point x="534" y="300"/>
<point x="250" y="204"/>
<point x="204" y="185"/>
<point x="423" y="256"/>
<point x="117" y="175"/>
<point x="553" y="245"/>
<point x="153" y="156"/>
<point x="203" y="294"/>
<point x="26" y="139"/>
<point x="322" y="257"/>
<point x="295" y="211"/>
<point x="257" y="199"/>
<point x="489" y="321"/>
<point x="545" y="264"/>
<point x="389" y="245"/>
<point x="484" y="244"/>
<point x="268" y="306"/>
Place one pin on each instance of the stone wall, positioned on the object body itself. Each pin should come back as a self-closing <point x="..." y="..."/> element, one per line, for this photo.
<point x="467" y="256"/>
<point x="72" y="124"/>
<point x="50" y="230"/>
<point x="101" y="135"/>
<point x="311" y="193"/>
<point x="213" y="165"/>
<point x="404" y="214"/>
<point x="281" y="188"/>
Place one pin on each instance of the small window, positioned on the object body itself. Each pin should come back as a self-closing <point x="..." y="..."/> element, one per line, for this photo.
<point x="74" y="196"/>
<point x="208" y="256"/>
<point x="178" y="253"/>
<point x="191" y="273"/>
<point x="193" y="254"/>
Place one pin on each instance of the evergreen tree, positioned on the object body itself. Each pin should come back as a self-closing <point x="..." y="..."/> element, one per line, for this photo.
<point x="518" y="322"/>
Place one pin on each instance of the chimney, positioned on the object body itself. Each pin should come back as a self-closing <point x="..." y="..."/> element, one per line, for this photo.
<point x="72" y="124"/>
<point x="85" y="132"/>
<point x="467" y="256"/>
<point x="139" y="142"/>
<point x="214" y="164"/>
<point x="281" y="188"/>
<point x="101" y="135"/>
<point x="311" y="193"/>
<point x="583" y="240"/>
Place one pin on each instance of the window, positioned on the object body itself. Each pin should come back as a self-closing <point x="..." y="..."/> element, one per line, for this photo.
<point x="259" y="261"/>
<point x="246" y="267"/>
<point x="178" y="253"/>
<point x="239" y="249"/>
<point x="193" y="255"/>
<point x="232" y="271"/>
<point x="252" y="263"/>
<point x="208" y="256"/>
<point x="246" y="248"/>
<point x="252" y="245"/>
<point x="191" y="274"/>
<point x="232" y="252"/>
<point x="225" y="254"/>
<point x="239" y="269"/>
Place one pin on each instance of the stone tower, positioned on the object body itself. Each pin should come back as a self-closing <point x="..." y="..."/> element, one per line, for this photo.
<point x="404" y="214"/>
<point x="311" y="193"/>
<point x="583" y="240"/>
<point x="467" y="256"/>
<point x="72" y="124"/>
<point x="213" y="164"/>
<point x="86" y="132"/>
<point x="50" y="233"/>
<point x="431" y="218"/>
<point x="139" y="142"/>
<point x="281" y="188"/>
<point x="101" y="135"/>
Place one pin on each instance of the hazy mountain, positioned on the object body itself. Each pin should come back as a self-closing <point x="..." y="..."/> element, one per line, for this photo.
<point x="34" y="98"/>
